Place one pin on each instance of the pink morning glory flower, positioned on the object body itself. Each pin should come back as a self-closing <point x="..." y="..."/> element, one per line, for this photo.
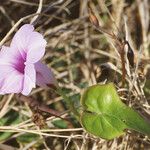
<point x="20" y="66"/>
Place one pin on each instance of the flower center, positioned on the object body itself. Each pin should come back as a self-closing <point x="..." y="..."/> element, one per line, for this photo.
<point x="20" y="64"/>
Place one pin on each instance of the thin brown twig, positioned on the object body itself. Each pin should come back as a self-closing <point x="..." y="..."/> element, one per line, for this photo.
<point x="36" y="106"/>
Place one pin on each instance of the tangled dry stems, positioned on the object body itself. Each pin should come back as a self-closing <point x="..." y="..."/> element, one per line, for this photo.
<point x="80" y="56"/>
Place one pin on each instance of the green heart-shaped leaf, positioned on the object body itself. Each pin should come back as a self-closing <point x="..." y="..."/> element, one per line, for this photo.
<point x="106" y="116"/>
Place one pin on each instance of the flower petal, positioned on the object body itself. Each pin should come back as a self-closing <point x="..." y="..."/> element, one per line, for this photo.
<point x="4" y="71"/>
<point x="9" y="76"/>
<point x="29" y="43"/>
<point x="8" y="56"/>
<point x="21" y="39"/>
<point x="44" y="75"/>
<point x="29" y="79"/>
<point x="10" y="80"/>
<point x="36" y="47"/>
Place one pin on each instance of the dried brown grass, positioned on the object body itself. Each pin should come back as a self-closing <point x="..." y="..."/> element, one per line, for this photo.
<point x="79" y="56"/>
